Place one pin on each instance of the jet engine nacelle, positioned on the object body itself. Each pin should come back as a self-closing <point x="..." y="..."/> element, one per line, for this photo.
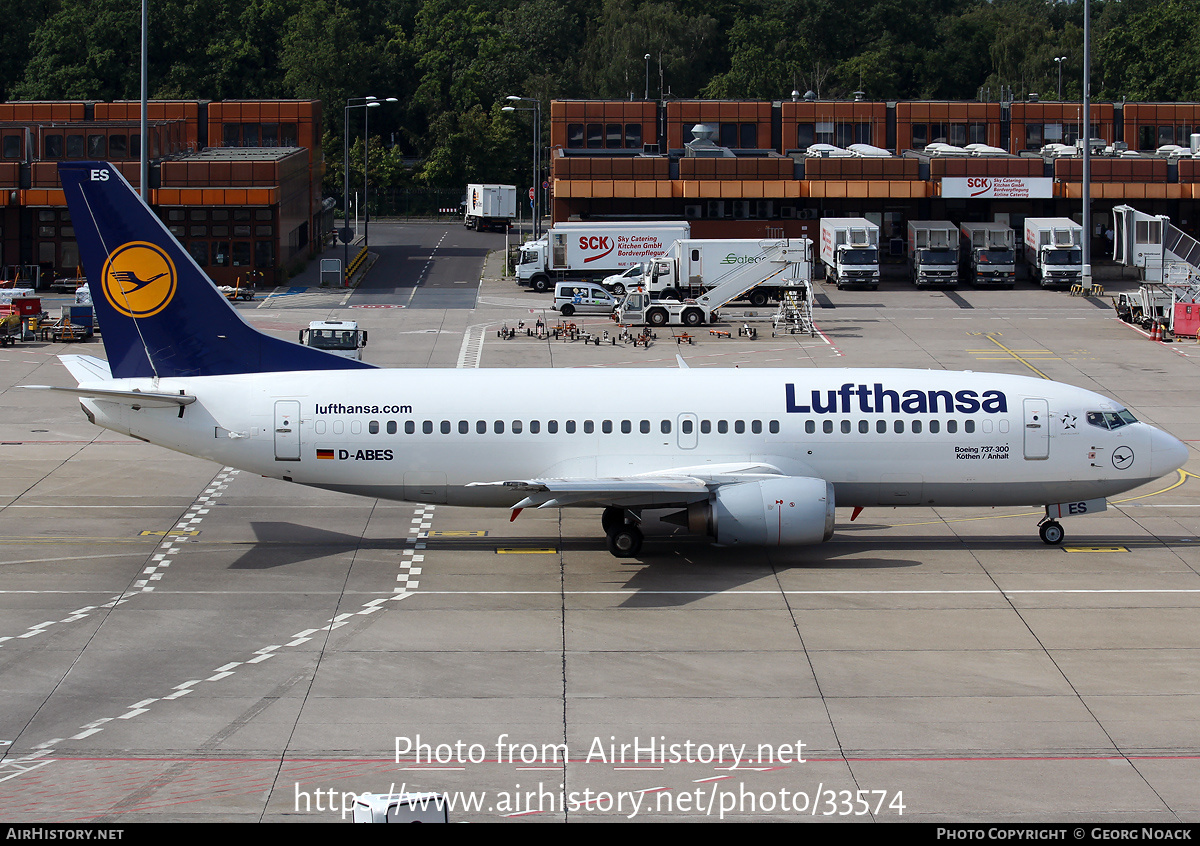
<point x="783" y="511"/>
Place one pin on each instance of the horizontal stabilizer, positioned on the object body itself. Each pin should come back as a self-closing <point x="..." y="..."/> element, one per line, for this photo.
<point x="86" y="368"/>
<point x="141" y="399"/>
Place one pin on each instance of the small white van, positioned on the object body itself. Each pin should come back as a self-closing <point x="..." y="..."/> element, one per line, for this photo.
<point x="619" y="283"/>
<point x="582" y="298"/>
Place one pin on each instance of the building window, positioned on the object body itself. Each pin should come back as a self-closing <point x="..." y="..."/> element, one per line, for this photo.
<point x="633" y="136"/>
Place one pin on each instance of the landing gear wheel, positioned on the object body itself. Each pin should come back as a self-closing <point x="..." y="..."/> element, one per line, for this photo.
<point x="626" y="541"/>
<point x="1051" y="532"/>
<point x="612" y="519"/>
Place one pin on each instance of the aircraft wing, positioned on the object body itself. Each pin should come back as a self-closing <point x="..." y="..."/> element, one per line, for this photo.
<point x="662" y="488"/>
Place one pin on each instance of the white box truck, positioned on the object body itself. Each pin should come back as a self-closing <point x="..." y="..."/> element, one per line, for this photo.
<point x="988" y="254"/>
<point x="933" y="253"/>
<point x="340" y="337"/>
<point x="850" y="251"/>
<point x="490" y="207"/>
<point x="1054" y="251"/>
<point x="695" y="265"/>
<point x="582" y="250"/>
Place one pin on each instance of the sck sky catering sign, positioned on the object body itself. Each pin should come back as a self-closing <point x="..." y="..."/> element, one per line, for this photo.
<point x="998" y="187"/>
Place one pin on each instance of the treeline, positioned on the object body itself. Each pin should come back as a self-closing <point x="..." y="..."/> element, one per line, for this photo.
<point x="451" y="63"/>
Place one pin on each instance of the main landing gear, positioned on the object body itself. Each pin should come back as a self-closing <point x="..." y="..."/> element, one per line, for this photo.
<point x="1051" y="531"/>
<point x="621" y="531"/>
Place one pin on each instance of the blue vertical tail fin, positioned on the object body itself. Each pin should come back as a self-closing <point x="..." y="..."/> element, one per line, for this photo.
<point x="160" y="314"/>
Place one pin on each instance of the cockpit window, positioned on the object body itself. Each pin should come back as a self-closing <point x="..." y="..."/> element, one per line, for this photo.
<point x="1110" y="419"/>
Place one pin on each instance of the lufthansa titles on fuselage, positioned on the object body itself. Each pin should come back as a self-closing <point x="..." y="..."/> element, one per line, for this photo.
<point x="876" y="399"/>
<point x="339" y="408"/>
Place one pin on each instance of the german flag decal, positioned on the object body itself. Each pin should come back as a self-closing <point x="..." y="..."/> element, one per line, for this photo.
<point x="324" y="453"/>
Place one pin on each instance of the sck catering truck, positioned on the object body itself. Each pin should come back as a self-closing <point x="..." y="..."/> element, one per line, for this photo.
<point x="693" y="266"/>
<point x="1054" y="250"/>
<point x="933" y="252"/>
<point x="850" y="251"/>
<point x="988" y="254"/>
<point x="490" y="207"/>
<point x="591" y="251"/>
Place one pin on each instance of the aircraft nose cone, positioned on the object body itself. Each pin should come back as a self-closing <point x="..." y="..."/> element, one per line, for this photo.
<point x="1167" y="453"/>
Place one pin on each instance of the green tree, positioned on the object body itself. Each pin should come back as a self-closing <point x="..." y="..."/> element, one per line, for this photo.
<point x="87" y="49"/>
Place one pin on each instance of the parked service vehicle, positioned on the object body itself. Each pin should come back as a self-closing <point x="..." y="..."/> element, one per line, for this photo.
<point x="619" y="283"/>
<point x="1054" y="251"/>
<point x="582" y="298"/>
<point x="850" y="251"/>
<point x="588" y="251"/>
<point x="490" y="207"/>
<point x="695" y="265"/>
<point x="933" y="253"/>
<point x="785" y="258"/>
<point x="987" y="254"/>
<point x="341" y="337"/>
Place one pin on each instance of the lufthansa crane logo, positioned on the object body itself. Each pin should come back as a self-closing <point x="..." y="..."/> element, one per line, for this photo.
<point x="139" y="279"/>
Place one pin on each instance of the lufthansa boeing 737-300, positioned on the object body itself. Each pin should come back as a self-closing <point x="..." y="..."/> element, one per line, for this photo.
<point x="754" y="457"/>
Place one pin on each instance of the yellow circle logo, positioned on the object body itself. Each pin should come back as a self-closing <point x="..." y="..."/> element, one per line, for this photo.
<point x="139" y="279"/>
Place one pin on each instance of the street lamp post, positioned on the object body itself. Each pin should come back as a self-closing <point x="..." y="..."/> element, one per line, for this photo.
<point x="536" y="108"/>
<point x="1058" y="60"/>
<point x="367" y="103"/>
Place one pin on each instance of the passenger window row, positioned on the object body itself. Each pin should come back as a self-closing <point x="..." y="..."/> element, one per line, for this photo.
<point x="899" y="426"/>
<point x="570" y="427"/>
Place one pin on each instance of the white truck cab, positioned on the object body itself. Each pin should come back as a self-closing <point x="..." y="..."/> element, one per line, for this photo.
<point x="340" y="337"/>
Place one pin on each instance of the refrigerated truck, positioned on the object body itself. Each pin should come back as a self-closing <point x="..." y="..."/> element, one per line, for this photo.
<point x="1054" y="251"/>
<point x="933" y="253"/>
<point x="588" y="251"/>
<point x="695" y="265"/>
<point x="490" y="207"/>
<point x="987" y="254"/>
<point x="850" y="251"/>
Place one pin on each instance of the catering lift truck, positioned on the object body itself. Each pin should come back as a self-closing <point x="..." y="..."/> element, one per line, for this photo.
<point x="789" y="257"/>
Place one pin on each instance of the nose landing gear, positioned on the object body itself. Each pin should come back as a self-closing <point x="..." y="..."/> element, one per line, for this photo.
<point x="1051" y="531"/>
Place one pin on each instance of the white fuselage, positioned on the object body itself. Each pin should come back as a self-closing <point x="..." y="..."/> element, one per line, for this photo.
<point x="881" y="436"/>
